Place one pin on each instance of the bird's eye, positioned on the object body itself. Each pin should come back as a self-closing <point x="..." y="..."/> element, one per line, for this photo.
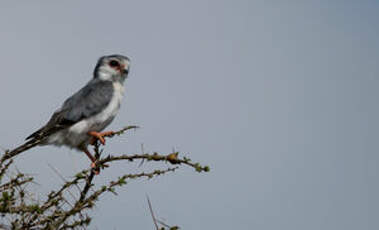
<point x="114" y="63"/>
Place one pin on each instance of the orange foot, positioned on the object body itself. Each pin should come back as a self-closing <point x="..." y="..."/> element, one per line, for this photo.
<point x="100" y="136"/>
<point x="94" y="166"/>
<point x="95" y="169"/>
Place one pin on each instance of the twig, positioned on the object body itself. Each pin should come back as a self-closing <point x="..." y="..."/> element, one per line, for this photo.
<point x="171" y="158"/>
<point x="87" y="186"/>
<point x="152" y="213"/>
<point x="55" y="212"/>
<point x="64" y="180"/>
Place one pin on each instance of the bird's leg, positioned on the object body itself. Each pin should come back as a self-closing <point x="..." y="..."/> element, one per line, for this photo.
<point x="94" y="165"/>
<point x="93" y="160"/>
<point x="100" y="136"/>
<point x="90" y="156"/>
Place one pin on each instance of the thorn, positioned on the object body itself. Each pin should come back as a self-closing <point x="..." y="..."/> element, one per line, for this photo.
<point x="143" y="159"/>
<point x="152" y="212"/>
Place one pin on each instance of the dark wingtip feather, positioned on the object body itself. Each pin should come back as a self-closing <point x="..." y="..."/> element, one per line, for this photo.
<point x="33" y="135"/>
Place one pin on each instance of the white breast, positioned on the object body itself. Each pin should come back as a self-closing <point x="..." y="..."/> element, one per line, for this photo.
<point x="102" y="119"/>
<point x="77" y="134"/>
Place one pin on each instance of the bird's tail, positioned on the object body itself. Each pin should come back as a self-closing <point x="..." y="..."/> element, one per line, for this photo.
<point x="28" y="145"/>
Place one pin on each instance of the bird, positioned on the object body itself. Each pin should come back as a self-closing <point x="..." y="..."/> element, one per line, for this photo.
<point x="82" y="117"/>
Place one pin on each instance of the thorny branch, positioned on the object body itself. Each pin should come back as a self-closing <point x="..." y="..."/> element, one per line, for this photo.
<point x="60" y="211"/>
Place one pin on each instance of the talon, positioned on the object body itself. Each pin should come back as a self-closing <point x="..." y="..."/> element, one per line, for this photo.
<point x="92" y="141"/>
<point x="102" y="140"/>
<point x="100" y="136"/>
<point x="96" y="171"/>
<point x="95" y="168"/>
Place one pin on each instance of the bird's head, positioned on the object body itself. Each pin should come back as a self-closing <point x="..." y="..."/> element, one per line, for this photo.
<point x="112" y="68"/>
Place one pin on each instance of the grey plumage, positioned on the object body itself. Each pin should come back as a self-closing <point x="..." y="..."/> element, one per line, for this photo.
<point x="88" y="101"/>
<point x="91" y="109"/>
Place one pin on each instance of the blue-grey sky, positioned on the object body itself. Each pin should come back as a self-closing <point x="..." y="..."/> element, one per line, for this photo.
<point x="279" y="98"/>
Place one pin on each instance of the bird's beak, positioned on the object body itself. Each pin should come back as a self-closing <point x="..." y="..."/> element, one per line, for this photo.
<point x="123" y="70"/>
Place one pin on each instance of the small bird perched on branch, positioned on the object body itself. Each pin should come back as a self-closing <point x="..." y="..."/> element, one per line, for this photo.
<point x="85" y="114"/>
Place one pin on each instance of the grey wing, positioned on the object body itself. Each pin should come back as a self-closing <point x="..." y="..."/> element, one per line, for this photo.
<point x="90" y="100"/>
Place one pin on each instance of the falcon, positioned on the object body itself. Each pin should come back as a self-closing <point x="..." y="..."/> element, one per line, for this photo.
<point x="81" y="119"/>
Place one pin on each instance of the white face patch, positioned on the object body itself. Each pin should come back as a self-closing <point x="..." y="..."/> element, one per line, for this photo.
<point x="112" y="68"/>
<point x="106" y="72"/>
<point x="126" y="64"/>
